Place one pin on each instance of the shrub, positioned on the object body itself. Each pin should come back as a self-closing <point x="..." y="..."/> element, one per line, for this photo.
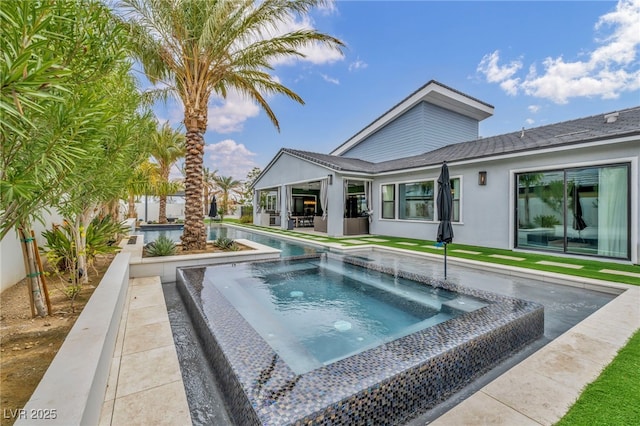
<point x="246" y="219"/>
<point x="60" y="247"/>
<point x="163" y="246"/>
<point x="226" y="244"/>
<point x="546" y="221"/>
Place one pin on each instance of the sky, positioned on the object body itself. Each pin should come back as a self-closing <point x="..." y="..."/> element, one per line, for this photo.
<point x="536" y="62"/>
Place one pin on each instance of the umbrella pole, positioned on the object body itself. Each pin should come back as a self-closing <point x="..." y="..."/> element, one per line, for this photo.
<point x="445" y="261"/>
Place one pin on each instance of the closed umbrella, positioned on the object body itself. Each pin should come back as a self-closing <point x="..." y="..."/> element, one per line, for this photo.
<point x="578" y="221"/>
<point x="213" y="209"/>
<point x="445" y="207"/>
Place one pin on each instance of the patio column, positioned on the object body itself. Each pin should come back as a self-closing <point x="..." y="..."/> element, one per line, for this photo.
<point x="336" y="207"/>
<point x="283" y="196"/>
<point x="256" y="206"/>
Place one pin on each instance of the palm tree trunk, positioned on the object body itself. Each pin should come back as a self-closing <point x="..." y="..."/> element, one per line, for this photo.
<point x="131" y="213"/>
<point x="162" y="216"/>
<point x="194" y="234"/>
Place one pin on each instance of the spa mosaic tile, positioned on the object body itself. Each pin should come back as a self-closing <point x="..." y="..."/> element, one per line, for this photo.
<point x="391" y="383"/>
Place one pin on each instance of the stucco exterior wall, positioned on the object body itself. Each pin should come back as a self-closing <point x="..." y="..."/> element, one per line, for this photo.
<point x="487" y="212"/>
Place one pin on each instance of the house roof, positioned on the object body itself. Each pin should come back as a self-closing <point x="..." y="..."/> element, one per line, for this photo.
<point x="622" y="123"/>
<point x="432" y="92"/>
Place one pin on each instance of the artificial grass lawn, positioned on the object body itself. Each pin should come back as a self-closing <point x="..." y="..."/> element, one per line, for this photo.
<point x="590" y="268"/>
<point x="614" y="397"/>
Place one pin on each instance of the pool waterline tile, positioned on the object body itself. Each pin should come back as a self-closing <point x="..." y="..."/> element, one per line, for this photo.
<point x="411" y="373"/>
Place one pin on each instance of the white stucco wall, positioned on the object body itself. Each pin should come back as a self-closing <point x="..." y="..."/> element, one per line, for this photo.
<point x="11" y="263"/>
<point x="487" y="212"/>
<point x="11" y="260"/>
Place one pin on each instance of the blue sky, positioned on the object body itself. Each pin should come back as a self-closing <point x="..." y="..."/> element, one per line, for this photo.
<point x="537" y="63"/>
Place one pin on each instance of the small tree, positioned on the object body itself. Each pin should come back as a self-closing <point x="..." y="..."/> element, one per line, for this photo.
<point x="228" y="188"/>
<point x="167" y="148"/>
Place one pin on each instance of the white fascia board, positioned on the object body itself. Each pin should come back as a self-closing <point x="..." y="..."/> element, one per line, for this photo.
<point x="432" y="93"/>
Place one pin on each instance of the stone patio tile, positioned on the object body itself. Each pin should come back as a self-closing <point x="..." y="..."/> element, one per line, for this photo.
<point x="605" y="332"/>
<point x="502" y="256"/>
<point x="559" y="264"/>
<point x="572" y="363"/>
<point x="613" y="271"/>
<point x="582" y="343"/>
<point x="467" y="251"/>
<point x="142" y="281"/>
<point x="148" y="315"/>
<point x="481" y="409"/>
<point x="354" y="241"/>
<point x="112" y="381"/>
<point x="145" y="370"/>
<point x="107" y="413"/>
<point x="161" y="405"/>
<point x="146" y="337"/>
<point x="142" y="297"/>
<point x="532" y="394"/>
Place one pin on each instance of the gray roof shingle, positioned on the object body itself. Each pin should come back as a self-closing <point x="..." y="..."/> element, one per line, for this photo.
<point x="572" y="132"/>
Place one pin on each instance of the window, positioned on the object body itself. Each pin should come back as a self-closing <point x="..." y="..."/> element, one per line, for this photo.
<point x="415" y="200"/>
<point x="455" y="192"/>
<point x="272" y="201"/>
<point x="388" y="201"/>
<point x="579" y="210"/>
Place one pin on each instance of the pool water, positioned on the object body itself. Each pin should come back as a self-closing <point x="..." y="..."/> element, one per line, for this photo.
<point x="316" y="340"/>
<point x="318" y="311"/>
<point x="216" y="231"/>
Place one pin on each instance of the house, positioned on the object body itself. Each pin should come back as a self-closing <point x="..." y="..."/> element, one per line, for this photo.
<point x="567" y="188"/>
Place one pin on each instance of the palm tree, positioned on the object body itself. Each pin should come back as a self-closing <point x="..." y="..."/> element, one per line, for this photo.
<point x="228" y="186"/>
<point x="167" y="147"/>
<point x="199" y="47"/>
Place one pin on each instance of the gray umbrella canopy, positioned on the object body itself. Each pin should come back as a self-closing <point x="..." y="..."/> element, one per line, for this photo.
<point x="213" y="209"/>
<point x="578" y="222"/>
<point x="445" y="207"/>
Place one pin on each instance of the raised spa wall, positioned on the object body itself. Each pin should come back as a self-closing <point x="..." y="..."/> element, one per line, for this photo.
<point x="397" y="380"/>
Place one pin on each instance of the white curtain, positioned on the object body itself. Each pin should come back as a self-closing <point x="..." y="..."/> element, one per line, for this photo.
<point x="612" y="211"/>
<point x="368" y="190"/>
<point x="289" y="198"/>
<point x="324" y="196"/>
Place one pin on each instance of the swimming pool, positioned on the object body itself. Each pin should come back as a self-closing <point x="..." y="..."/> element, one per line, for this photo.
<point x="287" y="248"/>
<point x="317" y="311"/>
<point x="403" y="374"/>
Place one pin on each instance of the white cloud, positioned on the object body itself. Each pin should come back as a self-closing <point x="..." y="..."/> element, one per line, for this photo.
<point x="500" y="74"/>
<point x="357" y="64"/>
<point x="530" y="121"/>
<point x="606" y="72"/>
<point x="328" y="7"/>
<point x="315" y="53"/>
<point x="228" y="115"/>
<point x="533" y="108"/>
<point x="229" y="158"/>
<point x="330" y="79"/>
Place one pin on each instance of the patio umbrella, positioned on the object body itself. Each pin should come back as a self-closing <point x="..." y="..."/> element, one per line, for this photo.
<point x="445" y="207"/>
<point x="578" y="222"/>
<point x="213" y="209"/>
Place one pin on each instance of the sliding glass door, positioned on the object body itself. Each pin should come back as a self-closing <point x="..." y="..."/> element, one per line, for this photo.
<point x="575" y="210"/>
